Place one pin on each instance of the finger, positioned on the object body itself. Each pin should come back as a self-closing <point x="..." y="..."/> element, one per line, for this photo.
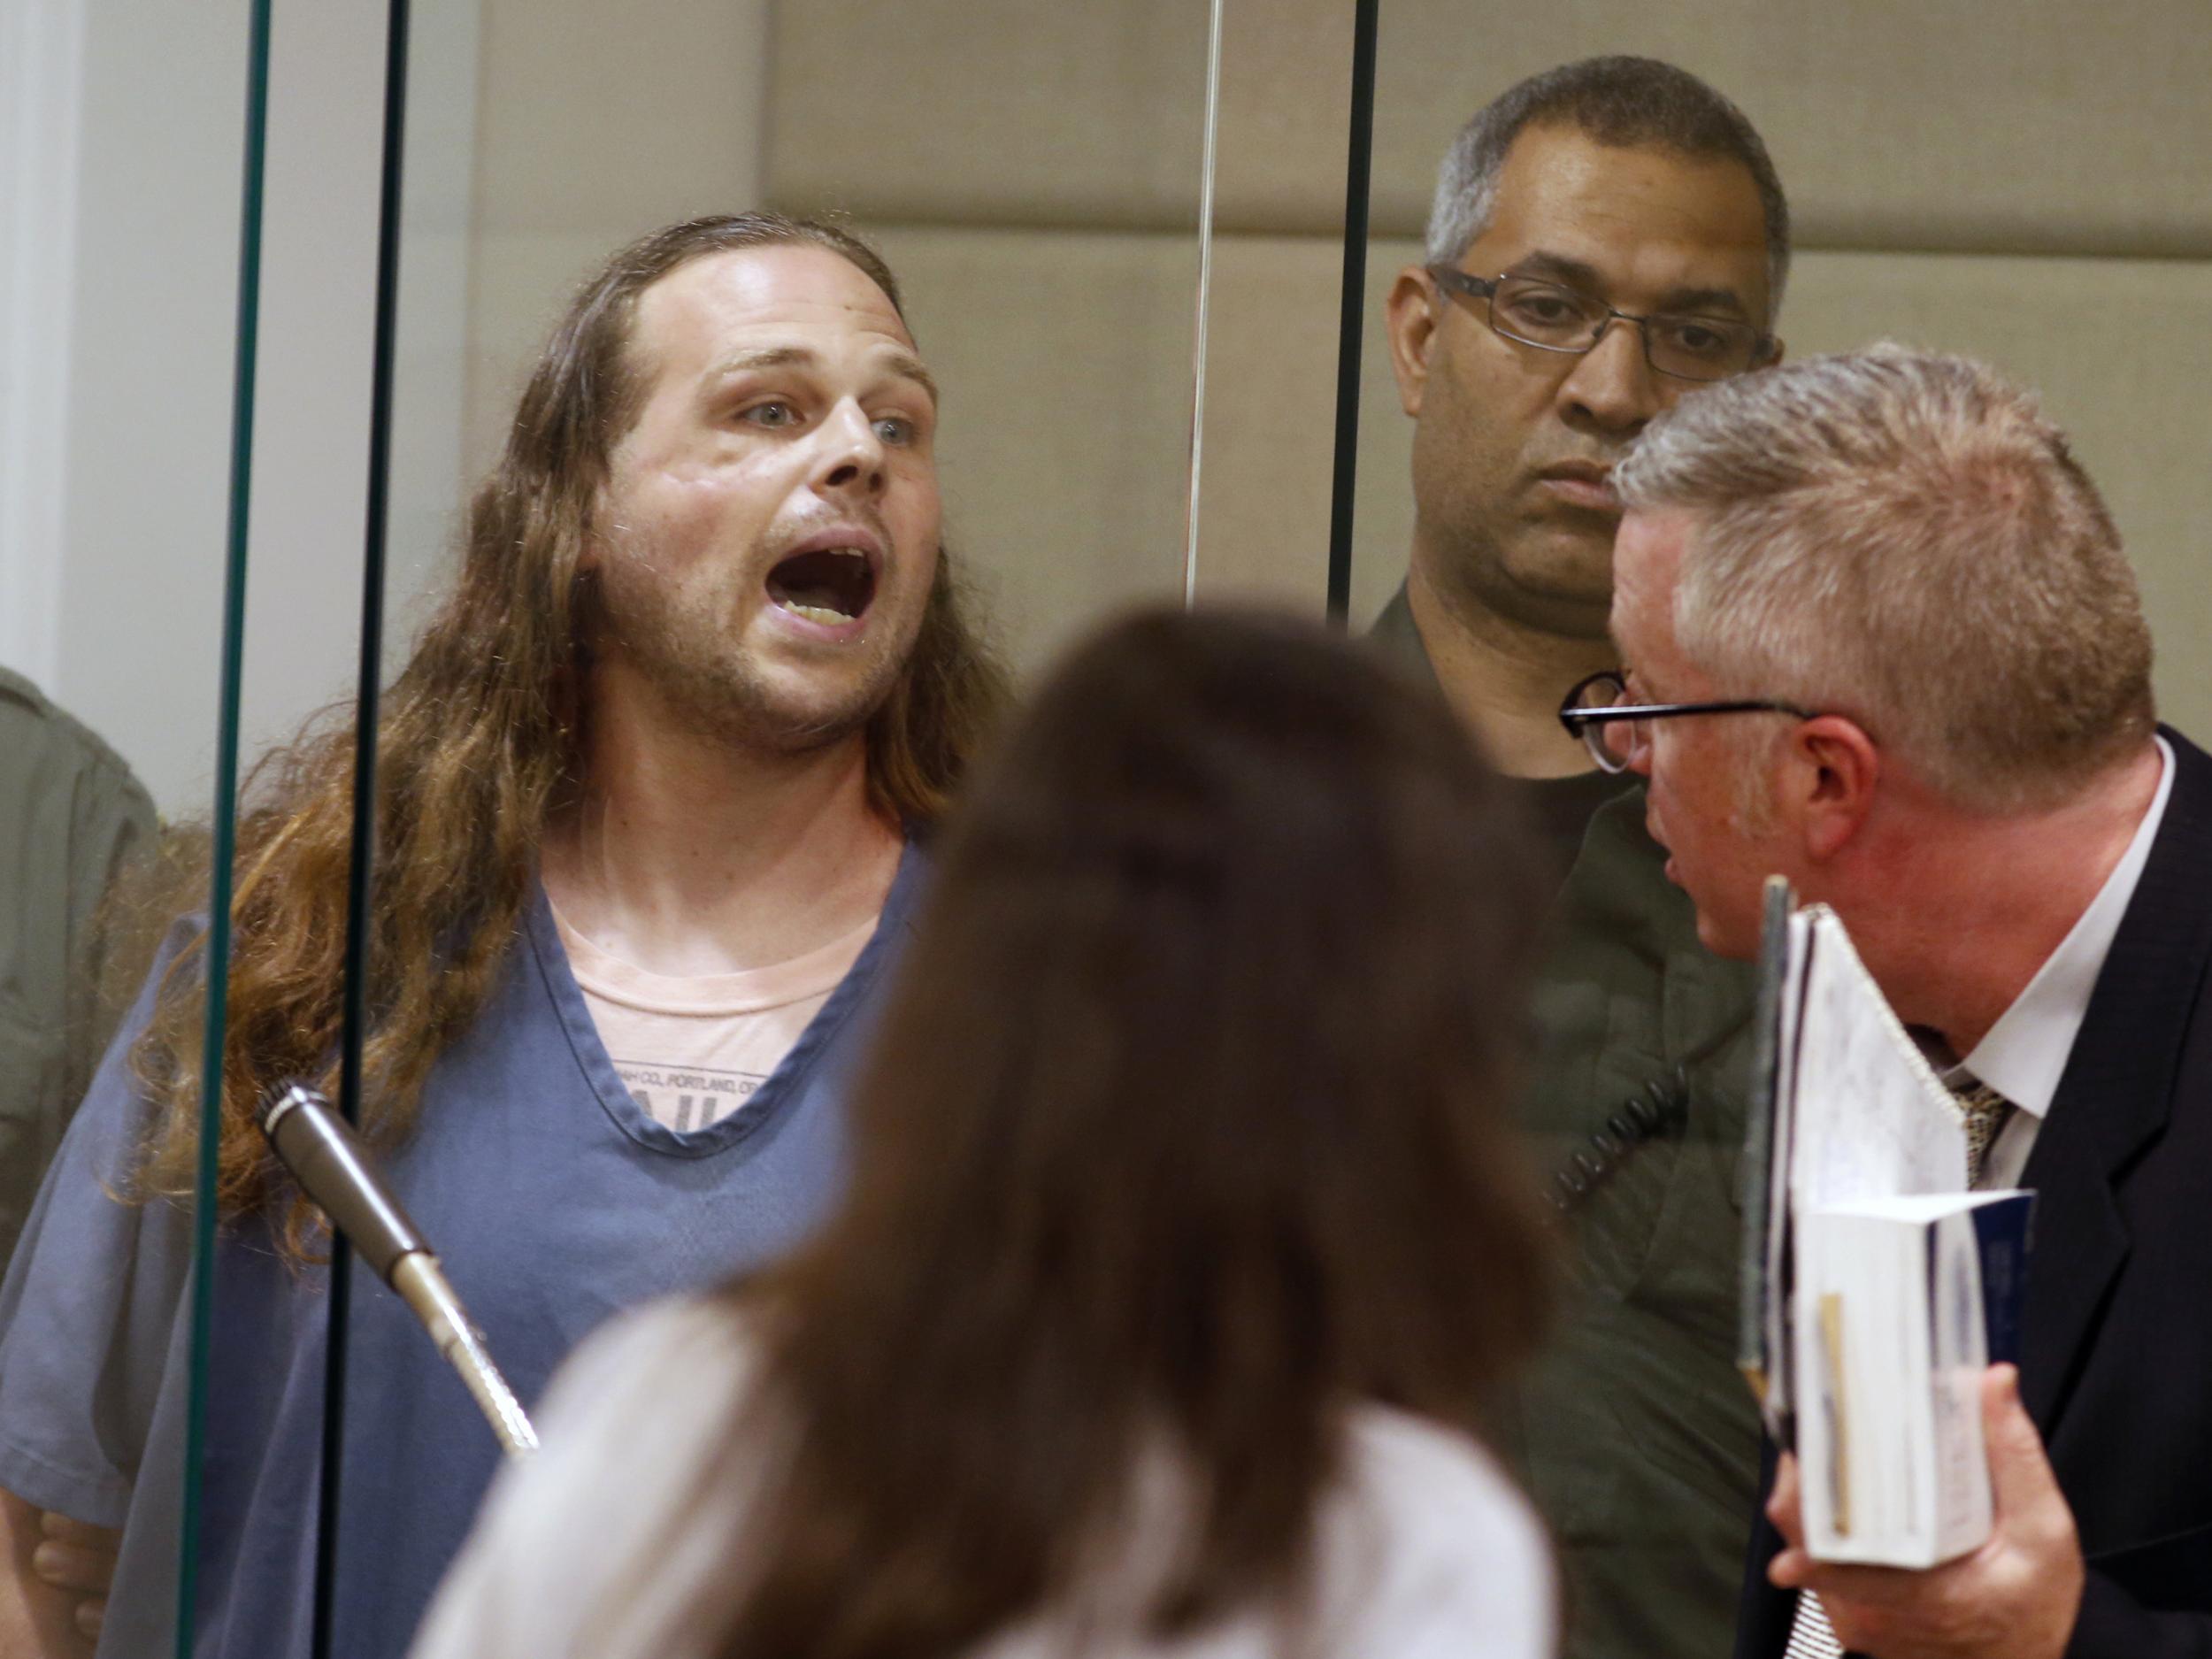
<point x="68" y="1568"/>
<point x="90" y="1616"/>
<point x="1871" y="1589"/>
<point x="65" y="1529"/>
<point x="1790" y="1569"/>
<point x="1782" y="1505"/>
<point x="2020" y="1476"/>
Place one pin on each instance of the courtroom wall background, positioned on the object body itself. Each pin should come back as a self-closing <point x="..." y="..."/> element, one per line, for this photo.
<point x="2012" y="180"/>
<point x="1999" y="178"/>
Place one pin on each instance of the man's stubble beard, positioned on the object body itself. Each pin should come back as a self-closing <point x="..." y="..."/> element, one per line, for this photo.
<point x="685" y="646"/>
<point x="1469" y="571"/>
<point x="1465" y="544"/>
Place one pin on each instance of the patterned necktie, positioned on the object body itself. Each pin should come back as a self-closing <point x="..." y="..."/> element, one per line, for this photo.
<point x="1810" y="1636"/>
<point x="1982" y="1113"/>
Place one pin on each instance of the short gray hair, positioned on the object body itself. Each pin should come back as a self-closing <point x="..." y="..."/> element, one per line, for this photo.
<point x="1619" y="101"/>
<point x="1905" y="539"/>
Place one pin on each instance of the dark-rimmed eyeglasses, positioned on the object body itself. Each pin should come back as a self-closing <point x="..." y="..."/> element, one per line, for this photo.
<point x="1553" y="317"/>
<point x="1611" y="727"/>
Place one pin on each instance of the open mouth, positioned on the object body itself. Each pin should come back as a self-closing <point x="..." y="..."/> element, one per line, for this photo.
<point x="829" y="586"/>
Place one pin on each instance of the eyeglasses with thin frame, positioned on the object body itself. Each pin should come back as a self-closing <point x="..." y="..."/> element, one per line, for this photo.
<point x="1597" y="710"/>
<point x="1552" y="316"/>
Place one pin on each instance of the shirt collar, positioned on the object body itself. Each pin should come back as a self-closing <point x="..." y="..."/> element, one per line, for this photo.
<point x="1399" y="636"/>
<point x="2024" y="1053"/>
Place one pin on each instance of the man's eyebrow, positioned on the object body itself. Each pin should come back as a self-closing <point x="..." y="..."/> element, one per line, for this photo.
<point x="904" y="364"/>
<point x="908" y="366"/>
<point x="1556" y="267"/>
<point x="764" y="357"/>
<point x="1704" y="302"/>
<point x="1553" y="267"/>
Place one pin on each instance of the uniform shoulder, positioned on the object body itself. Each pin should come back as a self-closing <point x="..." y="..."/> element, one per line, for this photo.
<point x="31" y="715"/>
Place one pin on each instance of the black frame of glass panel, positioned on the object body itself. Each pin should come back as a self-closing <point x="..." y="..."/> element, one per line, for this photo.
<point x="1352" y="315"/>
<point x="223" y="825"/>
<point x="362" y="868"/>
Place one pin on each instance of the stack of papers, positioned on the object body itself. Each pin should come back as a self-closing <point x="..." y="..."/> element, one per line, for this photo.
<point x="1878" y="1288"/>
<point x="1892" y="1337"/>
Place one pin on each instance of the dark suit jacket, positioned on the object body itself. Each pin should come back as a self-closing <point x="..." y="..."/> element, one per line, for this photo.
<point x="2115" y="1356"/>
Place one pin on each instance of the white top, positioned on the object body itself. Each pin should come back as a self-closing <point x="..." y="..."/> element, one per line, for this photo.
<point x="2024" y="1054"/>
<point x="692" y="1050"/>
<point x="1425" y="1548"/>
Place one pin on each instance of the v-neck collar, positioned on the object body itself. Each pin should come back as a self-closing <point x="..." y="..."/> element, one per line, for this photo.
<point x="782" y="1087"/>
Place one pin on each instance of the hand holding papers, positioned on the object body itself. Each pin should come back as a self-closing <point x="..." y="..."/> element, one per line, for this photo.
<point x="2016" y="1597"/>
<point x="1892" y="1364"/>
<point x="1878" y="1288"/>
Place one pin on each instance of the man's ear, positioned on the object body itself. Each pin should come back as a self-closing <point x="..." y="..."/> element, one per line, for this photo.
<point x="1835" y="770"/>
<point x="1409" y="319"/>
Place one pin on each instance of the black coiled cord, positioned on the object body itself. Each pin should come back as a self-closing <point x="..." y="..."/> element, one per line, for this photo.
<point x="1660" y="1108"/>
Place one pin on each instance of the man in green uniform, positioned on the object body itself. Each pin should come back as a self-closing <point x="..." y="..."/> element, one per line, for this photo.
<point x="1605" y="237"/>
<point x="70" y="814"/>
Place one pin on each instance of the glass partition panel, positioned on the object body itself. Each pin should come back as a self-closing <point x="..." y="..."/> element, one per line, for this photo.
<point x="1471" y="560"/>
<point x="594" y="681"/>
<point x="2032" y="197"/>
<point x="1036" y="186"/>
<point x="126" y="309"/>
<point x="1035" y="181"/>
<point x="1272" y="363"/>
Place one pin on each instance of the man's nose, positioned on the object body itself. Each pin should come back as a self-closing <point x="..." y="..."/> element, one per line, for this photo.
<point x="852" y="452"/>
<point x="1612" y="388"/>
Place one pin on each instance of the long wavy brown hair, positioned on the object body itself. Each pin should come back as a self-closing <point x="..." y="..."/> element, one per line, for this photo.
<point x="1184" y="1134"/>
<point x="479" y="742"/>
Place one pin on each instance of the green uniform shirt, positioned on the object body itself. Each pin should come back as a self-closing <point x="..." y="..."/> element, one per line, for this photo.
<point x="70" y="813"/>
<point x="1634" y="1432"/>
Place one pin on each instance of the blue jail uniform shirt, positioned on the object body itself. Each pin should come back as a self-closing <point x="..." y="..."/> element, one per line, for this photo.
<point x="553" y="1201"/>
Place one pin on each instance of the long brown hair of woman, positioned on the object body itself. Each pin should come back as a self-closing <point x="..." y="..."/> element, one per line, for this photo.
<point x="479" y="741"/>
<point x="1183" y="1134"/>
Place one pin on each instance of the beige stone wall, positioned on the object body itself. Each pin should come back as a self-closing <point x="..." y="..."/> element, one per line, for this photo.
<point x="593" y="124"/>
<point x="1995" y="178"/>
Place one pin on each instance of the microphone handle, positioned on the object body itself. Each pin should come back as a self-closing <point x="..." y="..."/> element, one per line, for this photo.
<point x="422" y="1286"/>
<point x="328" y="1162"/>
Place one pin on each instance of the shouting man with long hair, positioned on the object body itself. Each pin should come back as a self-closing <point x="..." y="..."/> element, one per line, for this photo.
<point x="645" y="807"/>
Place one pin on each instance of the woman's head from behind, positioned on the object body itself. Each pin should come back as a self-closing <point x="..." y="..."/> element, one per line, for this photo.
<point x="1186" y="1117"/>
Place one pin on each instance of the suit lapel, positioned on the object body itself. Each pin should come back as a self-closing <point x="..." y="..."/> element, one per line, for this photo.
<point x="2116" y="1090"/>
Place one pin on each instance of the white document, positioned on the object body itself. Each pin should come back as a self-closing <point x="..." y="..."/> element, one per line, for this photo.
<point x="1858" y="1112"/>
<point x="1868" y="1347"/>
<point x="1892" y="1336"/>
<point x="1869" y="1118"/>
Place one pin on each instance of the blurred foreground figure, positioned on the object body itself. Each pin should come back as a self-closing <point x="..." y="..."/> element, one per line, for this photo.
<point x="1186" y="1232"/>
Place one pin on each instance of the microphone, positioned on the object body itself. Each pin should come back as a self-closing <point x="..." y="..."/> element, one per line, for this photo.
<point x="331" y="1167"/>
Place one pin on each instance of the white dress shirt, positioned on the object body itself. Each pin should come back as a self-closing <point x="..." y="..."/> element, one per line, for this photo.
<point x="2024" y="1054"/>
